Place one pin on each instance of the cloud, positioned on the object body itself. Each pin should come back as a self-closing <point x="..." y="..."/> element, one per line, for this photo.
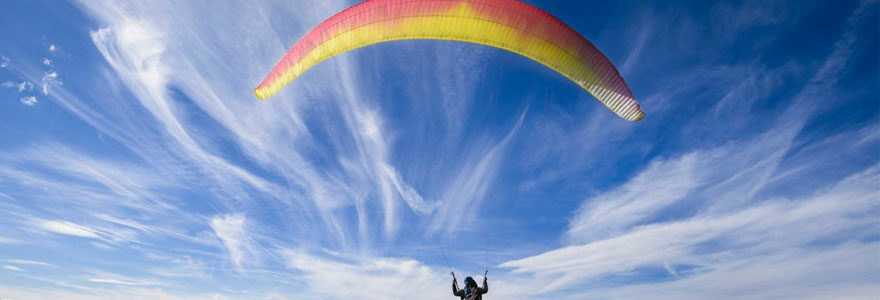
<point x="367" y="129"/>
<point x="369" y="277"/>
<point x="836" y="273"/>
<point x="230" y="229"/>
<point x="136" y="50"/>
<point x="354" y="172"/>
<point x="68" y="228"/>
<point x="329" y="190"/>
<point x="4" y="62"/>
<point x="646" y="31"/>
<point x="661" y="184"/>
<point x="8" y="241"/>
<point x="470" y="185"/>
<point x="93" y="183"/>
<point x="24" y="86"/>
<point x="116" y="292"/>
<point x="29" y="100"/>
<point x="25" y="262"/>
<point x="696" y="176"/>
<point x="47" y="62"/>
<point x="106" y="234"/>
<point x="13" y="268"/>
<point x="730" y="175"/>
<point x="49" y="80"/>
<point x="142" y="43"/>
<point x="712" y="244"/>
<point x="372" y="277"/>
<point x="120" y="282"/>
<point x="52" y="48"/>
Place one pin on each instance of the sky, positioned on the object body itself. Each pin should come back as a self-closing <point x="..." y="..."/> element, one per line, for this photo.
<point x="136" y="163"/>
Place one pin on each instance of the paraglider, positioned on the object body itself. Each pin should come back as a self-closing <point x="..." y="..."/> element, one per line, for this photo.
<point x="506" y="24"/>
<point x="470" y="291"/>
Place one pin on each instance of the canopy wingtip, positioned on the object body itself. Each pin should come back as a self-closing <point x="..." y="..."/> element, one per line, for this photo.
<point x="260" y="93"/>
<point x="639" y="117"/>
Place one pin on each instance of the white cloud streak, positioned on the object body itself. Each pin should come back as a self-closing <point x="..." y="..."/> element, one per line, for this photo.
<point x="13" y="268"/>
<point x="120" y="282"/>
<point x="369" y="277"/>
<point x="24" y="262"/>
<point x="469" y="187"/>
<point x="116" y="292"/>
<point x="741" y="237"/>
<point x="24" y="86"/>
<point x="50" y="80"/>
<point x="135" y="49"/>
<point x="29" y="100"/>
<point x="8" y="241"/>
<point x="60" y="168"/>
<point x="68" y="228"/>
<point x="697" y="175"/>
<point x="231" y="230"/>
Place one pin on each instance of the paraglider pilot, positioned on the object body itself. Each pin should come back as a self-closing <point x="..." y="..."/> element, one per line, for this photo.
<point x="470" y="291"/>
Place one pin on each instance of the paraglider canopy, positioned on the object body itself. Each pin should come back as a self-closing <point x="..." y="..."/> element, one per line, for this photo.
<point x="507" y="24"/>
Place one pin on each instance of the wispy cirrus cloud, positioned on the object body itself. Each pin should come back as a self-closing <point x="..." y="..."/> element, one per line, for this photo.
<point x="696" y="176"/>
<point x="368" y="277"/>
<point x="68" y="228"/>
<point x="468" y="188"/>
<point x="360" y="176"/>
<point x="8" y="241"/>
<point x="84" y="178"/>
<point x="13" y="268"/>
<point x="24" y="262"/>
<point x="120" y="282"/>
<point x="123" y="292"/>
<point x="706" y="245"/>
<point x="231" y="230"/>
<point x="106" y="234"/>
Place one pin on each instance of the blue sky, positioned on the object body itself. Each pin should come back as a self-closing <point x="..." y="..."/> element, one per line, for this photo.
<point x="135" y="162"/>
